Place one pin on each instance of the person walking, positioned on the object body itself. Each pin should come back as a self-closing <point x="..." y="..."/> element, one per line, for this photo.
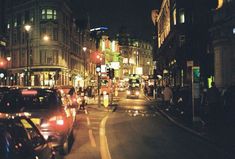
<point x="229" y="104"/>
<point x="213" y="100"/>
<point x="167" y="96"/>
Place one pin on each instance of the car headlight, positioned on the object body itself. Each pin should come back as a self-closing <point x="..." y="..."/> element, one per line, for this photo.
<point x="137" y="93"/>
<point x="128" y="92"/>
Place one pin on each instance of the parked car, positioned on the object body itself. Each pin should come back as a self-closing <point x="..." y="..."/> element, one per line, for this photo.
<point x="133" y="92"/>
<point x="45" y="108"/>
<point x="21" y="139"/>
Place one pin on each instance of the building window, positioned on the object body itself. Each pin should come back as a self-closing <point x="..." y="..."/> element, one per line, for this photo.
<point x="182" y="16"/>
<point x="42" y="56"/>
<point x="181" y="40"/>
<point x="174" y="16"/>
<point x="49" y="14"/>
<point x="55" y="34"/>
<point x="15" y="22"/>
<point x="23" y="20"/>
<point x="56" y="57"/>
<point x="49" y="58"/>
<point x="31" y="16"/>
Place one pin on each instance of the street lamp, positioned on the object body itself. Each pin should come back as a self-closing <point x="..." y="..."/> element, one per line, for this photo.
<point x="84" y="49"/>
<point x="46" y="38"/>
<point x="27" y="28"/>
<point x="8" y="66"/>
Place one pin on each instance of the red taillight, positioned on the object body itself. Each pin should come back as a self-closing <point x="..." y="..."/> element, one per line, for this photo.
<point x="74" y="99"/>
<point x="57" y="120"/>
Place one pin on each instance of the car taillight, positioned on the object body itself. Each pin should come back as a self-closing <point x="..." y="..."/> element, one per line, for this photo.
<point x="57" y="120"/>
<point x="74" y="99"/>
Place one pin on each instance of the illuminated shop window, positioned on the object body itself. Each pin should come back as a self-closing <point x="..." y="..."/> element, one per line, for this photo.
<point x="182" y="15"/>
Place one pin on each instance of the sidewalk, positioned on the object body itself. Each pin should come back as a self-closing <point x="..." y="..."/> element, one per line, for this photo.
<point x="222" y="135"/>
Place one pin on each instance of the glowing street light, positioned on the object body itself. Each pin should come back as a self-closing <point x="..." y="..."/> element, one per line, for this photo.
<point x="46" y="38"/>
<point x="84" y="49"/>
<point x="27" y="27"/>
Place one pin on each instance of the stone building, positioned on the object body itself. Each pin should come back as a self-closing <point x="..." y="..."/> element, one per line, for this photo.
<point x="223" y="43"/>
<point x="50" y="52"/>
<point x="136" y="54"/>
<point x="182" y="41"/>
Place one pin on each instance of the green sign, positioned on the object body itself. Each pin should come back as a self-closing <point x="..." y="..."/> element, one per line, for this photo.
<point x="196" y="74"/>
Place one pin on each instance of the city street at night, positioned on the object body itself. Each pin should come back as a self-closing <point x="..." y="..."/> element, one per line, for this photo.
<point x="117" y="79"/>
<point x="136" y="130"/>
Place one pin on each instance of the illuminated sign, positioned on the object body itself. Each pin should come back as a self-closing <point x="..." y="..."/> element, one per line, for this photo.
<point x="100" y="28"/>
<point x="103" y="68"/>
<point x="139" y="70"/>
<point x="115" y="65"/>
<point x="220" y="4"/>
<point x="196" y="74"/>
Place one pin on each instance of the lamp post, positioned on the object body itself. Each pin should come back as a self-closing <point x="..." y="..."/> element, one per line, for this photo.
<point x="84" y="50"/>
<point x="8" y="66"/>
<point x="27" y="29"/>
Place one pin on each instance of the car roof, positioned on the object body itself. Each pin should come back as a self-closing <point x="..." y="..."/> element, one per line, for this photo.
<point x="12" y="116"/>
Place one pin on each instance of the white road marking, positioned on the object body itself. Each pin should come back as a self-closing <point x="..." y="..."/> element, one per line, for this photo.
<point x="92" y="138"/>
<point x="86" y="112"/>
<point x="104" y="149"/>
<point x="88" y="121"/>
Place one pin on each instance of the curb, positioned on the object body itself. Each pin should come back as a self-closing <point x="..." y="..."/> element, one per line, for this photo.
<point x="179" y="124"/>
<point x="189" y="130"/>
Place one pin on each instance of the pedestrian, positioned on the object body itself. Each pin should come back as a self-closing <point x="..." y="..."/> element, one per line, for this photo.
<point x="213" y="100"/>
<point x="229" y="104"/>
<point x="145" y="90"/>
<point x="167" y="96"/>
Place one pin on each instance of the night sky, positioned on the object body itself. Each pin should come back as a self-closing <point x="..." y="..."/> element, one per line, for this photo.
<point x="135" y="15"/>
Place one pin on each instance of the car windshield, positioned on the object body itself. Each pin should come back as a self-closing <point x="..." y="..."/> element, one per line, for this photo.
<point x="27" y="100"/>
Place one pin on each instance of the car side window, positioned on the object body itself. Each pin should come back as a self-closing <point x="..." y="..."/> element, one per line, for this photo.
<point x="36" y="138"/>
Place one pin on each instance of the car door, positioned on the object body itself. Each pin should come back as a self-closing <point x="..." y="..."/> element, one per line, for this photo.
<point x="39" y="144"/>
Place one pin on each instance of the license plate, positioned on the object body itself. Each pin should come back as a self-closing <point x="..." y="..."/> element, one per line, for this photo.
<point x="36" y="121"/>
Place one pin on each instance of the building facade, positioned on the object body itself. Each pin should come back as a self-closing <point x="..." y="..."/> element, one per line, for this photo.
<point x="223" y="43"/>
<point x="182" y="41"/>
<point x="136" y="56"/>
<point x="50" y="53"/>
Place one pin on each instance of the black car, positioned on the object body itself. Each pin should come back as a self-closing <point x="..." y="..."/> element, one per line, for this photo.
<point x="20" y="139"/>
<point x="47" y="111"/>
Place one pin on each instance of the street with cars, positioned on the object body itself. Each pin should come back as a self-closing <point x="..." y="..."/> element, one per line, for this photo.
<point x="50" y="127"/>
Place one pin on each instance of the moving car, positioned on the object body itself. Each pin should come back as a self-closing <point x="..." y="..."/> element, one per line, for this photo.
<point x="21" y="139"/>
<point x="133" y="92"/>
<point x="45" y="108"/>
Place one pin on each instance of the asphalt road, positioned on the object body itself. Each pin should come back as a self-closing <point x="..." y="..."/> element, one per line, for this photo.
<point x="136" y="130"/>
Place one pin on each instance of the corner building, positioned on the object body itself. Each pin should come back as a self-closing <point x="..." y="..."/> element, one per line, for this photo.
<point x="48" y="61"/>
